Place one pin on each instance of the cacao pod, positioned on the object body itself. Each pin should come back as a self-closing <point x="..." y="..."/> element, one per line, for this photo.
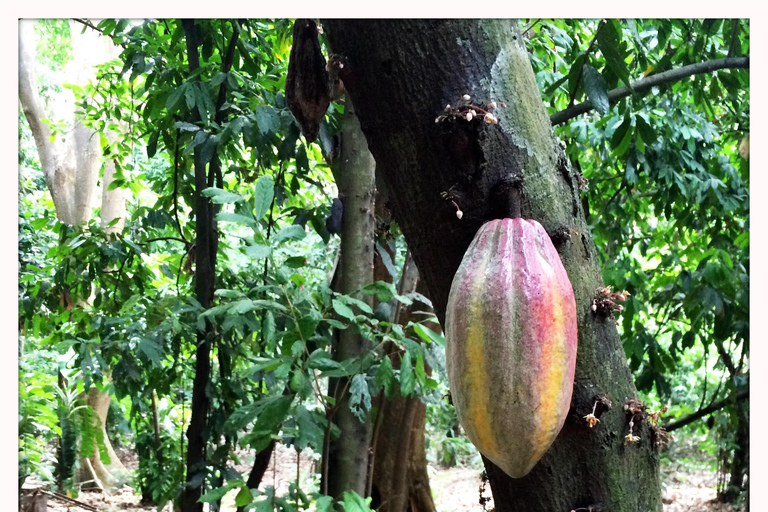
<point x="511" y="343"/>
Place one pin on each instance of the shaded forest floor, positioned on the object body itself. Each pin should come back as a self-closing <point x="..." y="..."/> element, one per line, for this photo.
<point x="455" y="490"/>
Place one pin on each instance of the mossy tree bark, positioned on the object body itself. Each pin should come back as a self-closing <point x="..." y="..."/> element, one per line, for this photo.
<point x="400" y="75"/>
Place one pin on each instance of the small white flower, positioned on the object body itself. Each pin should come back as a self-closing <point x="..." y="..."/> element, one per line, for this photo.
<point x="469" y="115"/>
<point x="466" y="97"/>
<point x="459" y="214"/>
<point x="490" y="118"/>
<point x="491" y="105"/>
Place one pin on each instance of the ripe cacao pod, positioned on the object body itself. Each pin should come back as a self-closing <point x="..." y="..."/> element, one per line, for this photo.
<point x="511" y="343"/>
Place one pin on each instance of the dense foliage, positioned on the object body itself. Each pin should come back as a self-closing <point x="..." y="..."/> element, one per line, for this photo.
<point x="665" y="188"/>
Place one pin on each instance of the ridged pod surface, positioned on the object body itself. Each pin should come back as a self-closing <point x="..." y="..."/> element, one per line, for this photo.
<point x="511" y="343"/>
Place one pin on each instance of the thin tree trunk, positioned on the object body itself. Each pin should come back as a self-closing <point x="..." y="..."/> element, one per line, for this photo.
<point x="348" y="456"/>
<point x="400" y="75"/>
<point x="740" y="463"/>
<point x="260" y="466"/>
<point x="400" y="477"/>
<point x="205" y="264"/>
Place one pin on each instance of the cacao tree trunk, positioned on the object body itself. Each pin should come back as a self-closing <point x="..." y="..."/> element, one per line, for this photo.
<point x="348" y="455"/>
<point x="401" y="74"/>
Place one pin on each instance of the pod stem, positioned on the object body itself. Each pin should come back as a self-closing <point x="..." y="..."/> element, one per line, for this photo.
<point x="506" y="197"/>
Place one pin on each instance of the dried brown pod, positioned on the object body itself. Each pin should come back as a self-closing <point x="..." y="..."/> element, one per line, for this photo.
<point x="306" y="86"/>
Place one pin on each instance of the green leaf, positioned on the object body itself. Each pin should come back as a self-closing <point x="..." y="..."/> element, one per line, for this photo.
<point x="354" y="503"/>
<point x="219" y="196"/>
<point x="219" y="492"/>
<point x="267" y="119"/>
<point x="296" y="262"/>
<point x="174" y="99"/>
<point x="244" y="497"/>
<point x="386" y="259"/>
<point x="610" y="44"/>
<point x="294" y="232"/>
<point x="342" y="309"/>
<point x="596" y="90"/>
<point x="428" y="335"/>
<point x="152" y="144"/>
<point x="383" y="290"/>
<point x="268" y="328"/>
<point x="385" y="377"/>
<point x="407" y="380"/>
<point x="257" y="251"/>
<point x="241" y="307"/>
<point x="268" y="409"/>
<point x="262" y="196"/>
<point x="236" y="217"/>
<point x="151" y="349"/>
<point x="645" y="130"/>
<point x="621" y="131"/>
<point x="359" y="397"/>
<point x="360" y="304"/>
<point x="324" y="504"/>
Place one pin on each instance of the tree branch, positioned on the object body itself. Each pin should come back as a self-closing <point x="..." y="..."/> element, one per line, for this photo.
<point x="714" y="406"/>
<point x="645" y="85"/>
<point x="188" y="244"/>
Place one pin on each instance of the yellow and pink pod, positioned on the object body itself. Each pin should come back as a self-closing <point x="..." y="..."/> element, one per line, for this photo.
<point x="511" y="343"/>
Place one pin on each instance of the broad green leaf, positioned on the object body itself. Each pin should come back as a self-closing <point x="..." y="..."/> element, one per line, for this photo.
<point x="407" y="380"/>
<point x="220" y="196"/>
<point x="257" y="251"/>
<point x="354" y="503"/>
<point x="324" y="504"/>
<point x="621" y="131"/>
<point x="236" y="217"/>
<point x="263" y="193"/>
<point x="244" y="497"/>
<point x="342" y="309"/>
<point x="383" y="290"/>
<point x="267" y="119"/>
<point x="359" y="397"/>
<point x="610" y="43"/>
<point x="385" y="377"/>
<point x="428" y="334"/>
<point x="151" y="349"/>
<point x="294" y="232"/>
<point x="268" y="328"/>
<point x="596" y="90"/>
<point x="267" y="409"/>
<point x="174" y="99"/>
<point x="218" y="493"/>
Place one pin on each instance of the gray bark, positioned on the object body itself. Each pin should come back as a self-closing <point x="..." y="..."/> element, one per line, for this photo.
<point x="348" y="456"/>
<point x="400" y="75"/>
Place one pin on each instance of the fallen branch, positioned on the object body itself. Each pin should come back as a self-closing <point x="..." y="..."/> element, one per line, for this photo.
<point x="645" y="85"/>
<point x="65" y="498"/>
<point x="687" y="420"/>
